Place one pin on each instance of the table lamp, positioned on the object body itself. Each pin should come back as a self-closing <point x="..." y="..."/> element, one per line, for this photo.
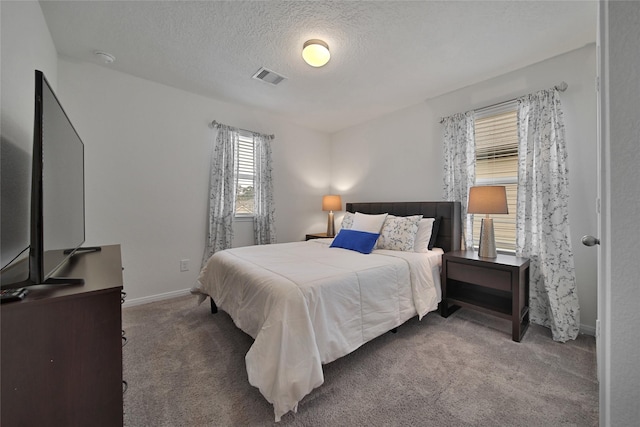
<point x="331" y="202"/>
<point x="487" y="199"/>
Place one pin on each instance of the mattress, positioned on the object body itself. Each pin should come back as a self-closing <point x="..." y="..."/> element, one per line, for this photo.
<point x="306" y="304"/>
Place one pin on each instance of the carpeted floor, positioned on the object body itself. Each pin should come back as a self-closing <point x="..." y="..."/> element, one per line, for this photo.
<point x="185" y="367"/>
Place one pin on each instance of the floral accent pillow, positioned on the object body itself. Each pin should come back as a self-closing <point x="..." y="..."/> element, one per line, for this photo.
<point x="399" y="233"/>
<point x="347" y="220"/>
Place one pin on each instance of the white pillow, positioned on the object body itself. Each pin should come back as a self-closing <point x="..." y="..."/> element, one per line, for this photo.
<point x="368" y="223"/>
<point x="347" y="220"/>
<point x="399" y="233"/>
<point x="423" y="236"/>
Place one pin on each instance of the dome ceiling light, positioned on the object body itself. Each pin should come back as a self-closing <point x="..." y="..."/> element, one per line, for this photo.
<point x="315" y="52"/>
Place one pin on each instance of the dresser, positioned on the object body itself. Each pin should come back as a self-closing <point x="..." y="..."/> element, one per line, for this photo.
<point x="62" y="348"/>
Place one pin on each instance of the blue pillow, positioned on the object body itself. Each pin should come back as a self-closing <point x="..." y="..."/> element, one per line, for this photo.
<point x="360" y="241"/>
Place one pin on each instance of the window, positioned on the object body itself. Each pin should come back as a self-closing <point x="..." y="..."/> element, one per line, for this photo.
<point x="496" y="135"/>
<point x="245" y="174"/>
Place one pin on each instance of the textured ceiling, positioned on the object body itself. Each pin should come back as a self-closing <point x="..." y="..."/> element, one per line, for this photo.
<point x="385" y="55"/>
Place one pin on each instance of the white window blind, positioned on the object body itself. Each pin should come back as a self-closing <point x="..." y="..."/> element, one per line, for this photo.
<point x="245" y="173"/>
<point x="496" y="136"/>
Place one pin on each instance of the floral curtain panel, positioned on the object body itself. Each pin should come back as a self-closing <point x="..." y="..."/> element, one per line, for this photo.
<point x="460" y="165"/>
<point x="542" y="216"/>
<point x="264" y="229"/>
<point x="222" y="191"/>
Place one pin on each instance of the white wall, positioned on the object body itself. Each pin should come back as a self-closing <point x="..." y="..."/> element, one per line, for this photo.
<point x="26" y="46"/>
<point x="398" y="157"/>
<point x="147" y="150"/>
<point x="624" y="193"/>
<point x="147" y="153"/>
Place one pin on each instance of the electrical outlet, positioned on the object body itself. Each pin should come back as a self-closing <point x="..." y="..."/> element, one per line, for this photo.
<point x="184" y="265"/>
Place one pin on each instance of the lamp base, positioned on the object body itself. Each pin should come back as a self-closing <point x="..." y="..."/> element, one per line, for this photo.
<point x="331" y="228"/>
<point x="487" y="246"/>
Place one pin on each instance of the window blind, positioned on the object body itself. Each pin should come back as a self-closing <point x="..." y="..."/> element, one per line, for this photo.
<point x="496" y="139"/>
<point x="245" y="171"/>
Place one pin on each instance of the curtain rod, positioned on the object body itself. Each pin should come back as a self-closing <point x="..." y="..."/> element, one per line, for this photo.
<point x="214" y="124"/>
<point x="561" y="87"/>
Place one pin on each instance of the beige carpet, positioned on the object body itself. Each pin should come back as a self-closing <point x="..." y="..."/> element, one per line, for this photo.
<point x="185" y="367"/>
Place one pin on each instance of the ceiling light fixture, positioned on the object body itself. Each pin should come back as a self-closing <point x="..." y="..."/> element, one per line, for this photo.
<point x="315" y="52"/>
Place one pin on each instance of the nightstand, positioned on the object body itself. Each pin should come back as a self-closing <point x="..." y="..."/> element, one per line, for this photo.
<point x="316" y="236"/>
<point x="498" y="286"/>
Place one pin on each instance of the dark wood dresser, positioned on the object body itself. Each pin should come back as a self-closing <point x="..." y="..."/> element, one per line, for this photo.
<point x="62" y="348"/>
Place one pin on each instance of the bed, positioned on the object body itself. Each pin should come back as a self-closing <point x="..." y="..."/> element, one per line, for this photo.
<point x="307" y="304"/>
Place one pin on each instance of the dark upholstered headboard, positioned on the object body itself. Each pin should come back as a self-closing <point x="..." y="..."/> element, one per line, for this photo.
<point x="449" y="233"/>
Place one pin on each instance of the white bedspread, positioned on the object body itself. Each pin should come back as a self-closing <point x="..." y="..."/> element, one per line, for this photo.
<point x="306" y="304"/>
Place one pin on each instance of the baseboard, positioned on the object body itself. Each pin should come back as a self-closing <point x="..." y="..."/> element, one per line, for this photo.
<point x="153" y="298"/>
<point x="587" y="330"/>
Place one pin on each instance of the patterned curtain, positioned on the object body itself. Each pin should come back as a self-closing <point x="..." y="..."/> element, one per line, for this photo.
<point x="542" y="230"/>
<point x="222" y="192"/>
<point x="264" y="213"/>
<point x="460" y="166"/>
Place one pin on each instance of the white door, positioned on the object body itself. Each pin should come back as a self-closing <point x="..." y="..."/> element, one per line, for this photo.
<point x="601" y="241"/>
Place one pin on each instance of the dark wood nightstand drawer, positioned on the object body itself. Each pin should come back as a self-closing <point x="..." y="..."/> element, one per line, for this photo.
<point x="491" y="278"/>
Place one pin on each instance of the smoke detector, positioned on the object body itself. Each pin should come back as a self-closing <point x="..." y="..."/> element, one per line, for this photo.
<point x="105" y="57"/>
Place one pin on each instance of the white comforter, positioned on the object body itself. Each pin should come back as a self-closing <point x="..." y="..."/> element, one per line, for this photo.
<point x="306" y="304"/>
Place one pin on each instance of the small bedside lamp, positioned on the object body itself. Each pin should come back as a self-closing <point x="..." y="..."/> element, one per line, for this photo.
<point x="331" y="202"/>
<point x="487" y="199"/>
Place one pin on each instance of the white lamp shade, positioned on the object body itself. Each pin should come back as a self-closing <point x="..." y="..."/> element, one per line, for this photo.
<point x="331" y="202"/>
<point x="315" y="53"/>
<point x="488" y="199"/>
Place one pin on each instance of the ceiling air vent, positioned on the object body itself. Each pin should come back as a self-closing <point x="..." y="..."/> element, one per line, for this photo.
<point x="268" y="76"/>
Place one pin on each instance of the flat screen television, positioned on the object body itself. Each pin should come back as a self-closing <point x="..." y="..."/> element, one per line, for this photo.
<point x="57" y="212"/>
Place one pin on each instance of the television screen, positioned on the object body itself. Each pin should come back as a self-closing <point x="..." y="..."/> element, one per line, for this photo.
<point x="51" y="209"/>
<point x="47" y="216"/>
<point x="62" y="183"/>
